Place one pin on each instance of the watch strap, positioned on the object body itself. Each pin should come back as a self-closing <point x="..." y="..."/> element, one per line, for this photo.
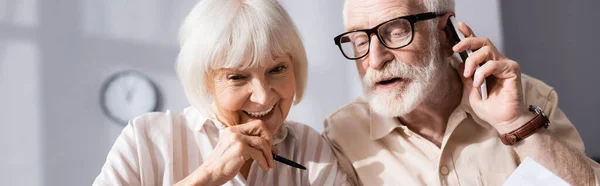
<point x="532" y="126"/>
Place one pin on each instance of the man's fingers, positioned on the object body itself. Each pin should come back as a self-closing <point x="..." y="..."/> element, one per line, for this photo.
<point x="487" y="69"/>
<point x="470" y="43"/>
<point x="475" y="59"/>
<point x="465" y="29"/>
<point x="468" y="89"/>
<point x="262" y="145"/>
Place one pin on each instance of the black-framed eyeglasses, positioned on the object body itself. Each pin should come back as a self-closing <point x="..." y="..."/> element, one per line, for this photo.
<point x="394" y="34"/>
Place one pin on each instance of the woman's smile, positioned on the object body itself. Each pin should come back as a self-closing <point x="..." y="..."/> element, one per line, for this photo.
<point x="258" y="114"/>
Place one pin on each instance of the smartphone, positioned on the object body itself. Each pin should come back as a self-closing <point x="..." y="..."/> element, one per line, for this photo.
<point x="455" y="36"/>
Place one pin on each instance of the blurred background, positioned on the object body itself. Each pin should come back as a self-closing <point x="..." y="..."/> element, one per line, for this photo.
<point x="55" y="56"/>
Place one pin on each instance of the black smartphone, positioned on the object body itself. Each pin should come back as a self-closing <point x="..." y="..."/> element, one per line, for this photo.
<point x="455" y="36"/>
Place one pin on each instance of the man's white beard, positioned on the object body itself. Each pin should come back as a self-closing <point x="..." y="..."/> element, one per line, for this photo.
<point x="398" y="102"/>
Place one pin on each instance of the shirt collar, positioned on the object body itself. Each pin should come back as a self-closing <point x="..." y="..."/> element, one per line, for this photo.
<point x="198" y="121"/>
<point x="381" y="126"/>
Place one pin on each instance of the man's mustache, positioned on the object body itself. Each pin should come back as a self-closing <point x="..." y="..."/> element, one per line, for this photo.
<point x="391" y="70"/>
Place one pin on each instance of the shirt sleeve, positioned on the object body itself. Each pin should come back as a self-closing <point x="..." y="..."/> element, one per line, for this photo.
<point x="564" y="130"/>
<point x="316" y="155"/>
<point x="122" y="165"/>
<point x="343" y="162"/>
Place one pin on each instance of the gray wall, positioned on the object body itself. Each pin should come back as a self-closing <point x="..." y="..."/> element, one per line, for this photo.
<point x="82" y="43"/>
<point x="55" y="54"/>
<point x="20" y="95"/>
<point x="558" y="42"/>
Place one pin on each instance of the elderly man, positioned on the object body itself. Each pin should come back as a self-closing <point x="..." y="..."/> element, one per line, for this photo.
<point x="423" y="121"/>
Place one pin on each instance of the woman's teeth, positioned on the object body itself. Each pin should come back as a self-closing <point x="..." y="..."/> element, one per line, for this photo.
<point x="259" y="114"/>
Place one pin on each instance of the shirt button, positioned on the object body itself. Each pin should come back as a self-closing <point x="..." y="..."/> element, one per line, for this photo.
<point x="444" y="170"/>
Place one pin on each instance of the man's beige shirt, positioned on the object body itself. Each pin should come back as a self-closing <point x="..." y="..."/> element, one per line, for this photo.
<point x="378" y="150"/>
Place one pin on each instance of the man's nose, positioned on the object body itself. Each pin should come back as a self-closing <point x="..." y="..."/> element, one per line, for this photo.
<point x="378" y="55"/>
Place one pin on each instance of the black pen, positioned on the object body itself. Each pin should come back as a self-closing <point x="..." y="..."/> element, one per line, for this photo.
<point x="288" y="162"/>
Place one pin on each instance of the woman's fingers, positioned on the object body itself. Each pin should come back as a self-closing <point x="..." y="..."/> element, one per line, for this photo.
<point x="255" y="135"/>
<point x="258" y="156"/>
<point x="256" y="142"/>
<point x="262" y="145"/>
<point x="256" y="128"/>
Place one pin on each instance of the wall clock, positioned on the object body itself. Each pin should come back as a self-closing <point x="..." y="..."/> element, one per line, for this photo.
<point x="128" y="94"/>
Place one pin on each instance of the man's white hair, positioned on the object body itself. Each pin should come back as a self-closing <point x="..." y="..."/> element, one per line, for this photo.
<point x="235" y="34"/>
<point x="430" y="6"/>
<point x="439" y="5"/>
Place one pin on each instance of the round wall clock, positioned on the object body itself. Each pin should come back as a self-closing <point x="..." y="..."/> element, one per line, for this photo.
<point x="128" y="94"/>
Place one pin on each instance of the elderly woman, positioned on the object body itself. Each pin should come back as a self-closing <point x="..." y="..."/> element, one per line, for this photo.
<point x="242" y="65"/>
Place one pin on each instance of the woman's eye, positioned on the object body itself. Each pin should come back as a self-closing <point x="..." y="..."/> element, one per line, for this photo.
<point x="235" y="77"/>
<point x="278" y="69"/>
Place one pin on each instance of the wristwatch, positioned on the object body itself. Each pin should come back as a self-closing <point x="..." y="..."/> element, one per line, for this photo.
<point x="532" y="126"/>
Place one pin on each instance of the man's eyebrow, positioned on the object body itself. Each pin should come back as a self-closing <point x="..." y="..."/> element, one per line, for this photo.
<point x="386" y="17"/>
<point x="393" y="15"/>
<point x="353" y="27"/>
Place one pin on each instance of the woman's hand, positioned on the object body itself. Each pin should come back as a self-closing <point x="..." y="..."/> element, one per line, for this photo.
<point x="237" y="144"/>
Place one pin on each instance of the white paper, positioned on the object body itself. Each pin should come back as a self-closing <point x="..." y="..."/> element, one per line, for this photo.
<point x="531" y="173"/>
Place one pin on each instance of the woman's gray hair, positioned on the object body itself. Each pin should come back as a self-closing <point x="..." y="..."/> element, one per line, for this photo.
<point x="235" y="34"/>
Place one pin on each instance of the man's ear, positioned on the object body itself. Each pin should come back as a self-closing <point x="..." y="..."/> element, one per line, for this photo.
<point x="444" y="35"/>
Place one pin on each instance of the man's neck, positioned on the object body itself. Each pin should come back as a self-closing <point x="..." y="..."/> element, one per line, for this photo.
<point x="430" y="118"/>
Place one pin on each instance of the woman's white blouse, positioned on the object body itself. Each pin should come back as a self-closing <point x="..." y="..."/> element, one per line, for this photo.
<point x="163" y="148"/>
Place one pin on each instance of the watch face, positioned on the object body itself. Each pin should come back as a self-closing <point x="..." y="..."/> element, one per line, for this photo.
<point x="128" y="94"/>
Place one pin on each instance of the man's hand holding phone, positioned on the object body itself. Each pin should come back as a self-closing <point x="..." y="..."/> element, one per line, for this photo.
<point x="457" y="36"/>
<point x="504" y="108"/>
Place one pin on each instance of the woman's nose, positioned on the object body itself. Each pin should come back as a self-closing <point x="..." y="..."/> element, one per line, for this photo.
<point x="261" y="93"/>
